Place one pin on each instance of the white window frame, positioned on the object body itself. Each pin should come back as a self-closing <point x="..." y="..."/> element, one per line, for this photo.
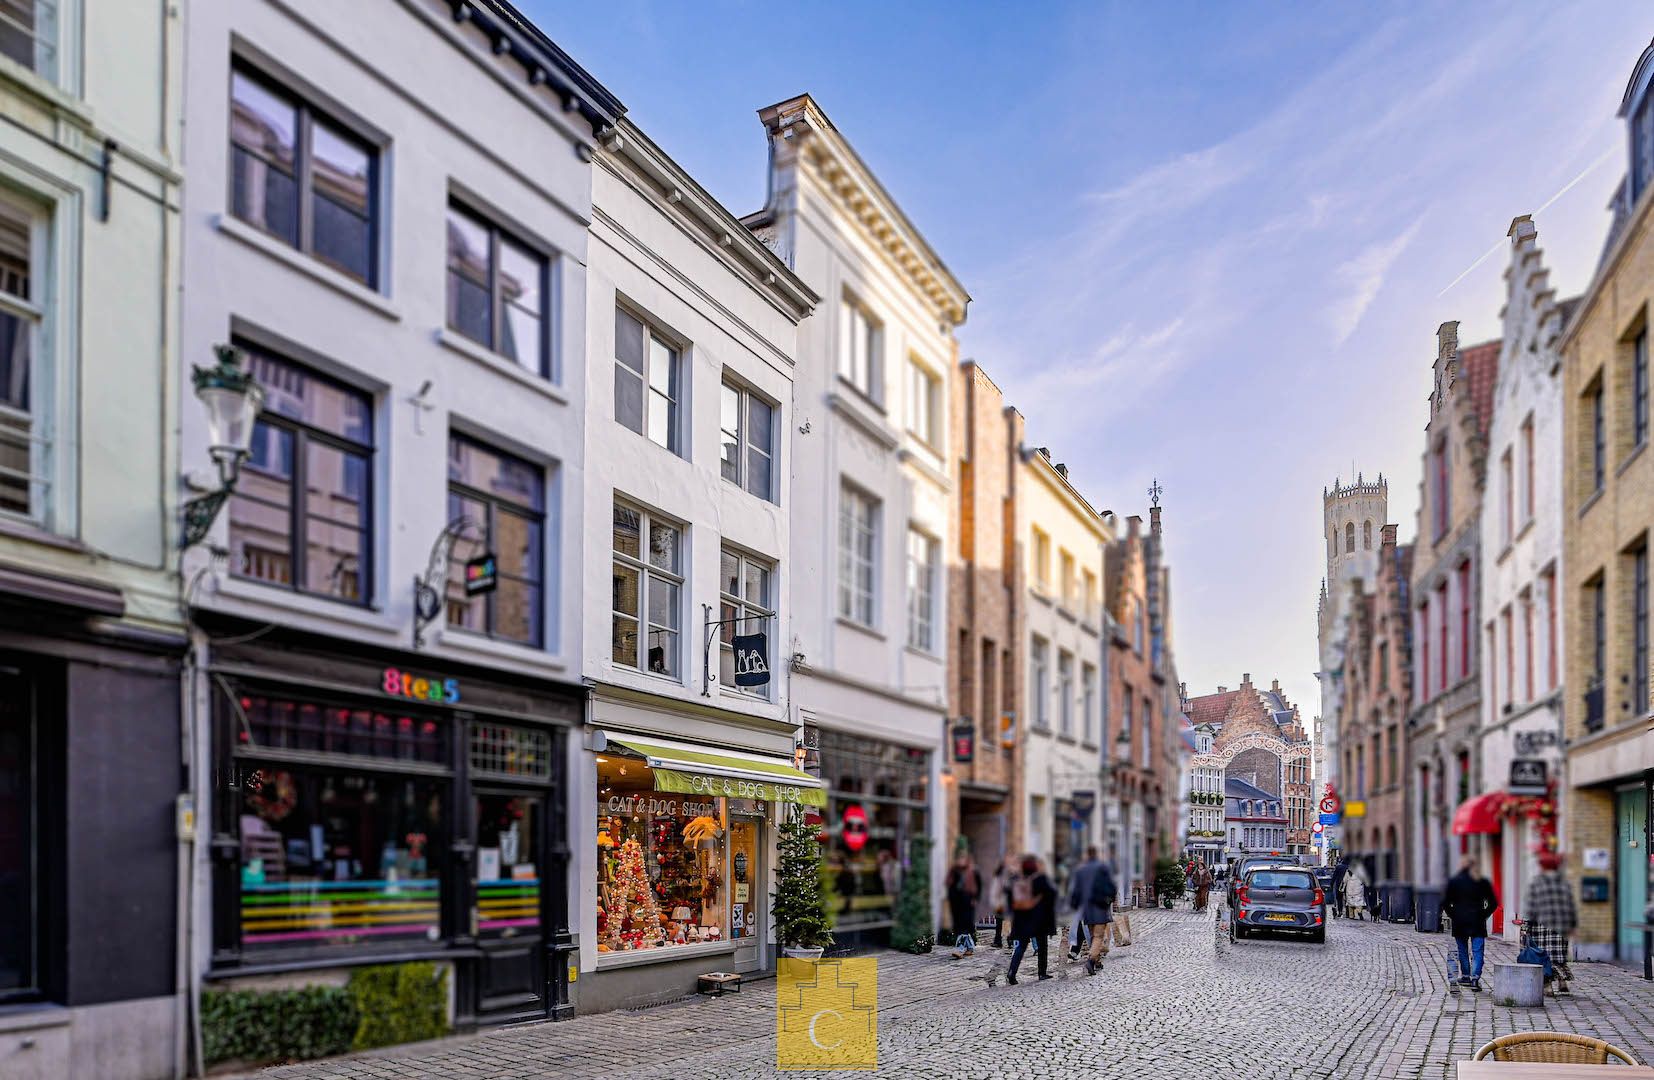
<point x="1065" y="692"/>
<point x="858" y="573"/>
<point x="756" y="615"/>
<point x="740" y="437"/>
<point x="44" y="430"/>
<point x="924" y="402"/>
<point x="861" y="341"/>
<point x="922" y="557"/>
<point x="1041" y="543"/>
<point x="672" y="398"/>
<point x="1039" y="682"/>
<point x="648" y="574"/>
<point x="52" y="62"/>
<point x="1088" y="701"/>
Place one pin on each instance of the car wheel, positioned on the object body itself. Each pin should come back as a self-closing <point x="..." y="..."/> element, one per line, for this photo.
<point x="1320" y="936"/>
<point x="1236" y="930"/>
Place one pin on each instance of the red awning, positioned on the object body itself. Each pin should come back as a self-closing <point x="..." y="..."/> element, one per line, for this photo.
<point x="1479" y="814"/>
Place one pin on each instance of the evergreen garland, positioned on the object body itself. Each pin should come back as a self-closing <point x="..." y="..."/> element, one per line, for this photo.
<point x="797" y="904"/>
<point x="913" y="931"/>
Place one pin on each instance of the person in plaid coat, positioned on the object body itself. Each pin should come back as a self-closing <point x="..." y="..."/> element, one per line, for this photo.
<point x="1551" y="915"/>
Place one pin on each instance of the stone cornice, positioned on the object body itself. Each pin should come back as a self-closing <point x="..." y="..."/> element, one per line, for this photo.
<point x="1064" y="489"/>
<point x="867" y="202"/>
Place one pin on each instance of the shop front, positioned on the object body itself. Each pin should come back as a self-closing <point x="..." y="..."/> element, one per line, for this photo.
<point x="682" y="869"/>
<point x="878" y="802"/>
<point x="368" y="811"/>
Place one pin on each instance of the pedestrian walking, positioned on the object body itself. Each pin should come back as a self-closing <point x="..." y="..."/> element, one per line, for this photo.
<point x="1548" y="905"/>
<point x="1469" y="901"/>
<point x="1033" y="915"/>
<point x="1094" y="907"/>
<point x="1201" y="877"/>
<point x="1339" y="870"/>
<point x="999" y="887"/>
<point x="1354" y="898"/>
<point x="1079" y="889"/>
<point x="964" y="887"/>
<point x="1120" y="927"/>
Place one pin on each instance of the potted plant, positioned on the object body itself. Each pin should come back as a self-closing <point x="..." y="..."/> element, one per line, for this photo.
<point x="912" y="930"/>
<point x="801" y="922"/>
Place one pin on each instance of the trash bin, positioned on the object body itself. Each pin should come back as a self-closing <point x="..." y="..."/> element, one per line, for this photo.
<point x="1395" y="901"/>
<point x="1427" y="909"/>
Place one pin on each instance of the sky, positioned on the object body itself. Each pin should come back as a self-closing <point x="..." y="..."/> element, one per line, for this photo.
<point x="1208" y="243"/>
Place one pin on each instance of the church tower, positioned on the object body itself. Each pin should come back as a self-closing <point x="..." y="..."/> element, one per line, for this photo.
<point x="1352" y="524"/>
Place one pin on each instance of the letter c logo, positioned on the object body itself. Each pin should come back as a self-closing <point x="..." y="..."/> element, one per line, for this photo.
<point x="819" y="1045"/>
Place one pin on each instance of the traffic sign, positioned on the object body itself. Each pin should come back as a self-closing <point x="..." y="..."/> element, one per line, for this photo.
<point x="1317" y="839"/>
<point x="1329" y="804"/>
<point x="1329" y="819"/>
<point x="1356" y="809"/>
<point x="1318" y="828"/>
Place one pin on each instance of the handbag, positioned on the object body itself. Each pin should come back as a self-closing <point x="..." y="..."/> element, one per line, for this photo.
<point x="1533" y="954"/>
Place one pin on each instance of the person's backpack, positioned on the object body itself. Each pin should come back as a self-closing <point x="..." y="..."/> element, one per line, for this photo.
<point x="1022" y="892"/>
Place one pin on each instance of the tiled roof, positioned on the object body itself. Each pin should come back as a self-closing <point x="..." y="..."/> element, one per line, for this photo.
<point x="1240" y="789"/>
<point x="1479" y="365"/>
<point x="1211" y="708"/>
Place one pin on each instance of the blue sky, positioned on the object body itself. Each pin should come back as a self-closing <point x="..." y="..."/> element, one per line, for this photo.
<point x="1209" y="242"/>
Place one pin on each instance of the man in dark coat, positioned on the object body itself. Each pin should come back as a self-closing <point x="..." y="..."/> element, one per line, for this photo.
<point x="1469" y="901"/>
<point x="1079" y="887"/>
<point x="1339" y="869"/>
<point x="1094" y="910"/>
<point x="1033" y="915"/>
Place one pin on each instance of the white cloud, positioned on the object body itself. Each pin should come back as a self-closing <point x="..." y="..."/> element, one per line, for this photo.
<point x="1361" y="277"/>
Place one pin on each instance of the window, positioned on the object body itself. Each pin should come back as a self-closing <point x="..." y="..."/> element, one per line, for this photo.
<point x="747" y="454"/>
<point x="1466" y="605"/>
<point x="1065" y="692"/>
<point x="506" y="499"/>
<point x="889" y="787"/>
<point x="647" y="586"/>
<point x="924" y="404"/>
<point x="1384" y="665"/>
<point x="301" y="177"/>
<point x="1391" y="768"/>
<point x="858" y="525"/>
<point x="1527" y="643"/>
<point x="1639" y="388"/>
<point x="990" y="699"/>
<point x="646" y="381"/>
<point x="858" y="357"/>
<point x="1349" y="538"/>
<point x="28" y="34"/>
<point x="1088" y="598"/>
<point x="1421" y="633"/>
<point x="921" y="590"/>
<point x="1596" y="605"/>
<point x="1507" y="627"/>
<point x="1125" y="722"/>
<point x="1639" y="630"/>
<point x="301" y="517"/>
<point x="1088" y="701"/>
<point x="1441" y="493"/>
<point x="1642" y="147"/>
<point x="1527" y="469"/>
<point x="746" y="603"/>
<point x="1547" y="581"/>
<point x="1065" y="571"/>
<point x="1599" y="436"/>
<point x="1039" y="685"/>
<point x="1147" y="729"/>
<point x="1507" y="497"/>
<point x="1441" y="606"/>
<point x="1366" y="536"/>
<point x="20" y="854"/>
<point x="1042" y="560"/>
<point x="1137" y="626"/>
<point x="24" y="443"/>
<point x="498" y="291"/>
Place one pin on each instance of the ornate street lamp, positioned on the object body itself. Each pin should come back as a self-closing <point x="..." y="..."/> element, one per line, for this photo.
<point x="232" y="398"/>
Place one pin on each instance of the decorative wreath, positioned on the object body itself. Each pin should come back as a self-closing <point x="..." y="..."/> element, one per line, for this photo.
<point x="275" y="796"/>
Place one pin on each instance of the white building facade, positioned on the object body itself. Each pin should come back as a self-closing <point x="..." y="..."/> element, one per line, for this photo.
<point x="1522" y="564"/>
<point x="870" y="528"/>
<point x="688" y="518"/>
<point x="384" y="694"/>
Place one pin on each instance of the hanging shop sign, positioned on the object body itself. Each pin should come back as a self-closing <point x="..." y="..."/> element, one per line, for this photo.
<point x="1008" y="730"/>
<point x="1527" y="777"/>
<point x="481" y="574"/>
<point x="1084" y="802"/>
<point x="752" y="667"/>
<point x="404" y="684"/>
<point x="854" y="828"/>
<point x="1355" y="808"/>
<point x="736" y="787"/>
<point x="964" y="741"/>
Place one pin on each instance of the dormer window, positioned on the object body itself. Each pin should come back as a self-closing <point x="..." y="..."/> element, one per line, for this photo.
<point x="1642" y="146"/>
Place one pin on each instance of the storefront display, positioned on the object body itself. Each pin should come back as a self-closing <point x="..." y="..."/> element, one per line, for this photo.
<point x="877" y="802"/>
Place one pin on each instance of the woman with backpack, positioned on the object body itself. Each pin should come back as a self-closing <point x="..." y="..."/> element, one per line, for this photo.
<point x="1033" y="914"/>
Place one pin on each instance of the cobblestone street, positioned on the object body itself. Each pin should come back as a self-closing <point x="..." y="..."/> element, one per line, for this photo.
<point x="1181" y="1001"/>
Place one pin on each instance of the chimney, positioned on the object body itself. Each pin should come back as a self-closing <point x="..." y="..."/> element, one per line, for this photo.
<point x="1154" y="521"/>
<point x="1447" y="339"/>
<point x="1223" y="689"/>
<point x="1246" y="679"/>
<point x="1522" y="228"/>
<point x="1062" y="470"/>
<point x="1134" y="525"/>
<point x="1275" y="685"/>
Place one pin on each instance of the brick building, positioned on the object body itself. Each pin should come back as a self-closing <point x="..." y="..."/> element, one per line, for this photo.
<point x="1133" y="737"/>
<point x="985" y="624"/>
<point x="1608" y="510"/>
<point x="1256" y="738"/>
<point x="1444" y="723"/>
<point x="1373" y="720"/>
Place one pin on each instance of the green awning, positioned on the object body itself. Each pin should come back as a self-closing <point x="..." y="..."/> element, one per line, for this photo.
<point x="692" y="770"/>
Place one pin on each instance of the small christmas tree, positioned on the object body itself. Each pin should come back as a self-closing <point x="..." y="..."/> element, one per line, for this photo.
<point x="634" y="916"/>
<point x="797" y="904"/>
<point x="913" y="931"/>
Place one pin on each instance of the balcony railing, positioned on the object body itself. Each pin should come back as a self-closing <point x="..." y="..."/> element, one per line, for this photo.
<point x="1593" y="707"/>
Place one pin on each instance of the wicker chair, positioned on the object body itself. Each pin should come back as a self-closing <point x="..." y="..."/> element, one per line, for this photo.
<point x="1553" y="1048"/>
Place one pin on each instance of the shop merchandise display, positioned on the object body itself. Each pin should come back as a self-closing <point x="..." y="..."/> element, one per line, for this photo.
<point x="660" y="871"/>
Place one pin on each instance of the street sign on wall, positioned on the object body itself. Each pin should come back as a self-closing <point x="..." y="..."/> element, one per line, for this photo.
<point x="1528" y="777"/>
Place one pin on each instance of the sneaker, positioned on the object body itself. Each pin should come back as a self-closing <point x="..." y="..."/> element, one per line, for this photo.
<point x="1476" y="985"/>
<point x="1073" y="954"/>
<point x="1042" y="978"/>
<point x="1090" y="966"/>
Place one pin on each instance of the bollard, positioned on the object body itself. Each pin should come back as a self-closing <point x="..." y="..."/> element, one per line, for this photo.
<point x="1518" y="984"/>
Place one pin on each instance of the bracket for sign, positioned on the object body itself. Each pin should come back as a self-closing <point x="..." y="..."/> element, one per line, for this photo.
<point x="428" y="589"/>
<point x="709" y="630"/>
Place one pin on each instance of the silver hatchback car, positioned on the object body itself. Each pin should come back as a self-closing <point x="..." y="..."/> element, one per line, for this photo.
<point x="1279" y="897"/>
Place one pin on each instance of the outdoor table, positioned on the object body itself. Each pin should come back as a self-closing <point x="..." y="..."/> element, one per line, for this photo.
<point x="1530" y="1070"/>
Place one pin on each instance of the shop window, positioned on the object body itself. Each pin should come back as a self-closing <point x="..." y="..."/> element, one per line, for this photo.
<point x="647" y="588"/>
<point x="647" y="379"/>
<point x="746" y="604"/>
<point x="23" y="447"/>
<point x="661" y="875"/>
<point x="504" y="499"/>
<point x="508" y="873"/>
<point x="505" y="752"/>
<point x="331" y="857"/>
<point x="281" y="724"/>
<point x="19" y="840"/>
<point x="876" y="805"/>
<point x="747" y="440"/>
<point x="301" y="517"/>
<point x="498" y="291"/>
<point x="302" y="177"/>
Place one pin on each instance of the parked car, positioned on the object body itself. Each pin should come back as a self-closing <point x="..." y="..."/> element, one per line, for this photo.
<point x="1279" y="898"/>
<point x="1241" y="868"/>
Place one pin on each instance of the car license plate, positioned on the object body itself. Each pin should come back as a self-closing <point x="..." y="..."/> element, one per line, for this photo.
<point x="1280" y="918"/>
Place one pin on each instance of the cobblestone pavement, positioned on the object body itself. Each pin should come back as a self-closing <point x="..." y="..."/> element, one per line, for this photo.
<point x="1182" y="1001"/>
